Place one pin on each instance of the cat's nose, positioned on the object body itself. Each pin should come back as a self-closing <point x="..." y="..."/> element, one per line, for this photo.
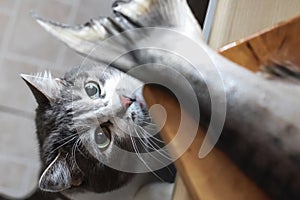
<point x="126" y="101"/>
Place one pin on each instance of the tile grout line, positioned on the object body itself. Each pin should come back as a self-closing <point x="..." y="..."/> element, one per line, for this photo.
<point x="64" y="2"/>
<point x="28" y="163"/>
<point x="71" y="19"/>
<point x="8" y="33"/>
<point x="19" y="159"/>
<point x="41" y="65"/>
<point x="17" y="112"/>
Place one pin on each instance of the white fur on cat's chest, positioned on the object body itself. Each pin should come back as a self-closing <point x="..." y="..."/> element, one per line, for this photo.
<point x="142" y="187"/>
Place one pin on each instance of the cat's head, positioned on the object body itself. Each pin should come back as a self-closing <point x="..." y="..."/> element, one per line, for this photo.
<point x="80" y="119"/>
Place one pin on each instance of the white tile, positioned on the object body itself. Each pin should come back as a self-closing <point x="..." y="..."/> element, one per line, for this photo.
<point x="18" y="137"/>
<point x="4" y="22"/>
<point x="18" y="179"/>
<point x="28" y="38"/>
<point x="93" y="9"/>
<point x="13" y="90"/>
<point x="71" y="59"/>
<point x="19" y="155"/>
<point x="7" y="4"/>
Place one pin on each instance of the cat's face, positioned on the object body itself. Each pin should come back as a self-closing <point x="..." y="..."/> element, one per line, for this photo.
<point x="80" y="120"/>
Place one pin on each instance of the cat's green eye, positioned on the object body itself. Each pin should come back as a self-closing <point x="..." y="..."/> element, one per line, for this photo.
<point x="102" y="137"/>
<point x="92" y="89"/>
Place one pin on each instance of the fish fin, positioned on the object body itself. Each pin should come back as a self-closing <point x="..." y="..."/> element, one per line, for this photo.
<point x="157" y="13"/>
<point x="81" y="38"/>
<point x="128" y="15"/>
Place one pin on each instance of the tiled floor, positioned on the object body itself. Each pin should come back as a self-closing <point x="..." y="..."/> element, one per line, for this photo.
<point x="27" y="48"/>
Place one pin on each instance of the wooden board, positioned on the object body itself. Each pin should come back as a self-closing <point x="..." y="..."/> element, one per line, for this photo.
<point x="213" y="178"/>
<point x="280" y="43"/>
<point x="236" y="19"/>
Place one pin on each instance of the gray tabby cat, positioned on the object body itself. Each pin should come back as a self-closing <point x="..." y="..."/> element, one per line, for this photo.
<point x="81" y="119"/>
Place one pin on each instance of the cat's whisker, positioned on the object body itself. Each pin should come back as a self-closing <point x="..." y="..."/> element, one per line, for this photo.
<point x="153" y="146"/>
<point x="151" y="127"/>
<point x="79" y="150"/>
<point x="162" y="153"/>
<point x="149" y="135"/>
<point x="63" y="139"/>
<point x="137" y="151"/>
<point x="167" y="154"/>
<point x="153" y="139"/>
<point x="140" y="157"/>
<point x="74" y="152"/>
<point x="82" y="129"/>
<point x="149" y="123"/>
<point x="63" y="144"/>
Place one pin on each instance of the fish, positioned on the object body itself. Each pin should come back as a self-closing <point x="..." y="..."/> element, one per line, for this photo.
<point x="252" y="119"/>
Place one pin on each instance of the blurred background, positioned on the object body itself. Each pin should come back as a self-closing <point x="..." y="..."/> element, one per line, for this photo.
<point x="26" y="48"/>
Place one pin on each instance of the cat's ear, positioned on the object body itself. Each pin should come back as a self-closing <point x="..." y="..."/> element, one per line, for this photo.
<point x="43" y="86"/>
<point x="57" y="176"/>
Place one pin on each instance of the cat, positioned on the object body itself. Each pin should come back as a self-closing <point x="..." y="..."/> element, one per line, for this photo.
<point x="81" y="120"/>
